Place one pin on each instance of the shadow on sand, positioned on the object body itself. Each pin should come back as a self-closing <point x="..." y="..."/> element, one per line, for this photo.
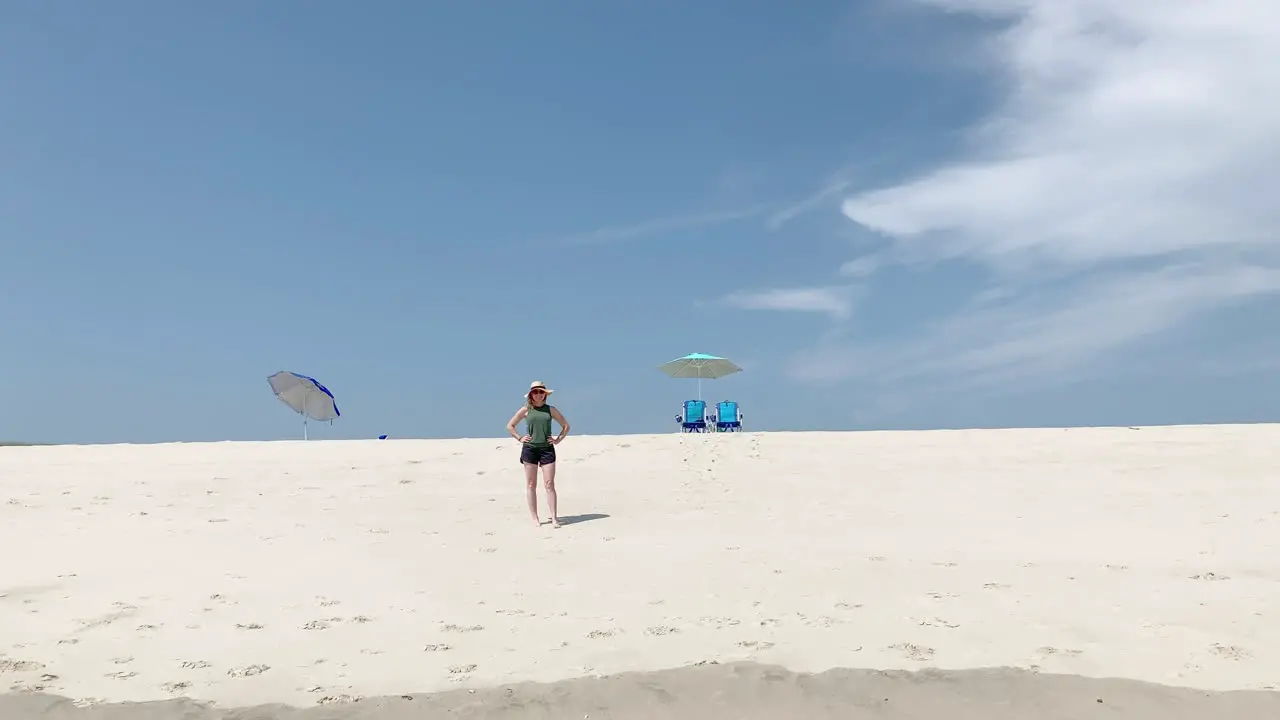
<point x="575" y="519"/>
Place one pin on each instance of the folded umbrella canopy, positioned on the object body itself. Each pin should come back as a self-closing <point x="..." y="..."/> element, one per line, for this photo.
<point x="306" y="396"/>
<point x="699" y="365"/>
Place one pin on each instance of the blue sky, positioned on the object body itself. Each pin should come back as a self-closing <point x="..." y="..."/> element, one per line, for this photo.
<point x="932" y="213"/>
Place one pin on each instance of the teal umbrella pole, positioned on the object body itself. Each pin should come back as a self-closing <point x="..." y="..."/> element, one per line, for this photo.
<point x="699" y="366"/>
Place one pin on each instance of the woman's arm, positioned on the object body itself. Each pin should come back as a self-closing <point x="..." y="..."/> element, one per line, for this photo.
<point x="515" y="420"/>
<point x="564" y="424"/>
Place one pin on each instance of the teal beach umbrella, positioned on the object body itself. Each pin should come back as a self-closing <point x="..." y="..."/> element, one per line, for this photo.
<point x="700" y="366"/>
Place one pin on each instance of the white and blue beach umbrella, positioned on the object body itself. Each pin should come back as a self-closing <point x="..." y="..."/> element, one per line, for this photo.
<point x="699" y="365"/>
<point x="305" y="396"/>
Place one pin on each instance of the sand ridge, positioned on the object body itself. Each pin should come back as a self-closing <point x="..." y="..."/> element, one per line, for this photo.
<point x="745" y="691"/>
<point x="324" y="572"/>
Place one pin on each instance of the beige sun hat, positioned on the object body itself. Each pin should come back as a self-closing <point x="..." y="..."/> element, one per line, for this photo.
<point x="537" y="385"/>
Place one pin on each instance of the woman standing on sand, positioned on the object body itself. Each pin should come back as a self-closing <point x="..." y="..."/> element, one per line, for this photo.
<point x="538" y="447"/>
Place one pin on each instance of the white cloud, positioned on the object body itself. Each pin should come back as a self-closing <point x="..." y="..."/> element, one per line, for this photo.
<point x="1127" y="184"/>
<point x="836" y="301"/>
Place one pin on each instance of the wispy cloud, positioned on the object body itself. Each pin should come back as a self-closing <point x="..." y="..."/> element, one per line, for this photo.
<point x="836" y="301"/>
<point x="774" y="213"/>
<point x="1020" y="336"/>
<point x="823" y="196"/>
<point x="861" y="267"/>
<point x="1126" y="185"/>
<point x="648" y="228"/>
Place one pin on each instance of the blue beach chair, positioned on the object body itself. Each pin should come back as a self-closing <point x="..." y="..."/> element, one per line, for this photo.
<point x="694" y="418"/>
<point x="728" y="417"/>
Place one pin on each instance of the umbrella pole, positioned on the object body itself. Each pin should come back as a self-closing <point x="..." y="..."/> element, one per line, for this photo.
<point x="304" y="415"/>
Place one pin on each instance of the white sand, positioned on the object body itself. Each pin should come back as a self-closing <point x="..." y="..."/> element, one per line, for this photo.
<point x="335" y="569"/>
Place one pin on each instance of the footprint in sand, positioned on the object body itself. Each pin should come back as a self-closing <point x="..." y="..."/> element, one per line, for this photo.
<point x="436" y="647"/>
<point x="1048" y="651"/>
<point x="248" y="671"/>
<point x="461" y="669"/>
<point x="1230" y="652"/>
<point x="107" y="619"/>
<point x="175" y="687"/>
<point x="195" y="665"/>
<point x="462" y="628"/>
<point x="1210" y="577"/>
<point x="755" y="644"/>
<point x="913" y="652"/>
<point x="661" y="630"/>
<point x="597" y="634"/>
<point x="11" y="665"/>
<point x="121" y="675"/>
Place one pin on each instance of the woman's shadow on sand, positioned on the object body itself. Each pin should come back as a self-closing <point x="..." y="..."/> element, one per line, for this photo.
<point x="575" y="519"/>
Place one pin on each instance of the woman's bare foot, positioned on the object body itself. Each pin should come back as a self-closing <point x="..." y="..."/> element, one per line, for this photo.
<point x="555" y="522"/>
<point x="537" y="522"/>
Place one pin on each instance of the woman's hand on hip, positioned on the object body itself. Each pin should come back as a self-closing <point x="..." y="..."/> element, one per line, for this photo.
<point x="526" y="438"/>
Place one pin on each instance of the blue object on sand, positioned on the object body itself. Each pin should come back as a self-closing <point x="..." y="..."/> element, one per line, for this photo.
<point x="694" y="418"/>
<point x="728" y="417"/>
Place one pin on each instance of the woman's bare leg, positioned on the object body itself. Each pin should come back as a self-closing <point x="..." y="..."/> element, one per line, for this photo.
<point x="549" y="482"/>
<point x="531" y="491"/>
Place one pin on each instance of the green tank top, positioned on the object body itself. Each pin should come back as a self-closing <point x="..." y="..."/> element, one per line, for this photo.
<point x="538" y="424"/>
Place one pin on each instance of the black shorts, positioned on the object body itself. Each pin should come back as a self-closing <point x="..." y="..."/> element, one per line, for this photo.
<point x="537" y="455"/>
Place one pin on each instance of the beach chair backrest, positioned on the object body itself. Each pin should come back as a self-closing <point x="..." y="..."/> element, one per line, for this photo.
<point x="728" y="411"/>
<point x="694" y="410"/>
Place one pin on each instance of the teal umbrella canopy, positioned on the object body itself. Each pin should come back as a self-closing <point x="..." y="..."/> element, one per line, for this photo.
<point x="699" y="366"/>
